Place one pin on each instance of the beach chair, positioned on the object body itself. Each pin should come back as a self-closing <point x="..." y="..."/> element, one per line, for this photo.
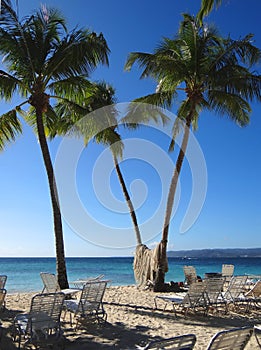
<point x="234" y="292"/>
<point x="81" y="282"/>
<point x="190" y="274"/>
<point x="233" y="339"/>
<point x="182" y="342"/>
<point x="51" y="285"/>
<point x="3" y="279"/>
<point x="235" y="289"/>
<point x="257" y="333"/>
<point x="2" y="298"/>
<point x="255" y="291"/>
<point x="213" y="291"/>
<point x="227" y="271"/>
<point x="252" y="298"/>
<point x="194" y="299"/>
<point x="41" y="326"/>
<point x="90" y="304"/>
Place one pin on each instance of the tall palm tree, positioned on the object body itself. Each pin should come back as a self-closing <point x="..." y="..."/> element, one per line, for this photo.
<point x="44" y="61"/>
<point x="111" y="137"/>
<point x="102" y="127"/>
<point x="214" y="74"/>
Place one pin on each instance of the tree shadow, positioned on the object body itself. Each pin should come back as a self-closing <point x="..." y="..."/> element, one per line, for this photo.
<point x="121" y="336"/>
<point x="107" y="336"/>
<point x="7" y="318"/>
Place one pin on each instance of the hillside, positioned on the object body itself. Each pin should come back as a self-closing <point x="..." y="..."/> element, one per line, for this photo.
<point x="217" y="253"/>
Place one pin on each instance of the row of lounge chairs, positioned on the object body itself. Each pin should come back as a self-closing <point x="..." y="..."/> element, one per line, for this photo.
<point x="211" y="293"/>
<point x="191" y="275"/>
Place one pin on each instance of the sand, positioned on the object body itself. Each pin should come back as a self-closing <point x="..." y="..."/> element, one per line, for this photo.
<point x="132" y="319"/>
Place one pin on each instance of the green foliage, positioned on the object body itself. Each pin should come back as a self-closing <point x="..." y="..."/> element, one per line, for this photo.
<point x="9" y="128"/>
<point x="210" y="71"/>
<point x="206" y="7"/>
<point x="44" y="62"/>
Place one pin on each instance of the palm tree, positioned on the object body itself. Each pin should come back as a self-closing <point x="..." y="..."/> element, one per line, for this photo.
<point x="44" y="61"/>
<point x="109" y="136"/>
<point x="213" y="73"/>
<point x="102" y="127"/>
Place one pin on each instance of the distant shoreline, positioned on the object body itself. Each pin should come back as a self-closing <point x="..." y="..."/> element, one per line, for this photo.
<point x="217" y="253"/>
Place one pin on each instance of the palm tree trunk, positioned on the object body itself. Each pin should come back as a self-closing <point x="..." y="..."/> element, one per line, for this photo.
<point x="160" y="274"/>
<point x="128" y="201"/>
<point x="58" y="230"/>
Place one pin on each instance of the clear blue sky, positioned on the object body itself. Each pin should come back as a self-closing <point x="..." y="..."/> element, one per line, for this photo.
<point x="231" y="214"/>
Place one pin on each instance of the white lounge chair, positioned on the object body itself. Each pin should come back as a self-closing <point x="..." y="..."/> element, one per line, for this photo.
<point x="257" y="332"/>
<point x="233" y="339"/>
<point x="3" y="279"/>
<point x="190" y="274"/>
<point x="51" y="284"/>
<point x="213" y="291"/>
<point x="2" y="298"/>
<point x="235" y="289"/>
<point x="90" y="304"/>
<point x="252" y="298"/>
<point x="41" y="326"/>
<point x="255" y="291"/>
<point x="81" y="282"/>
<point x="182" y="342"/>
<point x="194" y="299"/>
<point x="227" y="271"/>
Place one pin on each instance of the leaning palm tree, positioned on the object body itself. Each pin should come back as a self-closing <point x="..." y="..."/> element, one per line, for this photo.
<point x="43" y="62"/>
<point x="92" y="122"/>
<point x="214" y="74"/>
<point x="105" y="96"/>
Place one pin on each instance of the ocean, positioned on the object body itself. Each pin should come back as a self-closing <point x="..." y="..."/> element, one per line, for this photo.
<point x="24" y="273"/>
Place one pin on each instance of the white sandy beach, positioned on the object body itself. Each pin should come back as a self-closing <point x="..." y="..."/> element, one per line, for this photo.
<point x="132" y="319"/>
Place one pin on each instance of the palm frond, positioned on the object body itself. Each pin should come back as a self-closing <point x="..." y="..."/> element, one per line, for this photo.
<point x="159" y="99"/>
<point x="96" y="96"/>
<point x="10" y="127"/>
<point x="74" y="88"/>
<point x="232" y="105"/>
<point x="8" y="16"/>
<point x="139" y="112"/>
<point x="247" y="53"/>
<point x="206" y="7"/>
<point x="79" y="53"/>
<point x="8" y="85"/>
<point x="112" y="139"/>
<point x="150" y="63"/>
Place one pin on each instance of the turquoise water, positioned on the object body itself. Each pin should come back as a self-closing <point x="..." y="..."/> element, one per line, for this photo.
<point x="24" y="273"/>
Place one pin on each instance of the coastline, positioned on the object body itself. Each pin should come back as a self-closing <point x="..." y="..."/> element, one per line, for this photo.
<point x="132" y="319"/>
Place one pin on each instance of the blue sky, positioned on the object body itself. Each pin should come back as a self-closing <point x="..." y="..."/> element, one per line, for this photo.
<point x="230" y="216"/>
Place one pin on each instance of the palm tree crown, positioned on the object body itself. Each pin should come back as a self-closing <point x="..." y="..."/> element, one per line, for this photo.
<point x="42" y="57"/>
<point x="213" y="72"/>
